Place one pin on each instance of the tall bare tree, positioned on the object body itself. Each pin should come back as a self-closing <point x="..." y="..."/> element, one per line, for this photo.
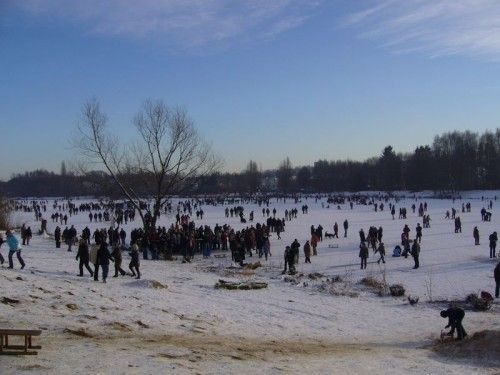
<point x="4" y="213"/>
<point x="167" y="154"/>
<point x="252" y="177"/>
<point x="285" y="175"/>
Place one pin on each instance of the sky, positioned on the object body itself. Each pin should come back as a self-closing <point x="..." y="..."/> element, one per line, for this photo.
<point x="261" y="79"/>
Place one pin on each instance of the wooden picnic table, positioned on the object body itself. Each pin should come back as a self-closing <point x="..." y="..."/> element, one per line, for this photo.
<point x="8" y="349"/>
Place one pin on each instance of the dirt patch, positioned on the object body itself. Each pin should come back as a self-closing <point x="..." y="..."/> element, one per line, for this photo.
<point x="120" y="326"/>
<point x="78" y="332"/>
<point x="223" y="284"/>
<point x="9" y="301"/>
<point x="72" y="306"/>
<point x="152" y="284"/>
<point x="237" y="348"/>
<point x="32" y="367"/>
<point x="483" y="346"/>
<point x="141" y="324"/>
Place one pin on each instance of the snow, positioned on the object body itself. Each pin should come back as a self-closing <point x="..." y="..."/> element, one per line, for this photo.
<point x="291" y="327"/>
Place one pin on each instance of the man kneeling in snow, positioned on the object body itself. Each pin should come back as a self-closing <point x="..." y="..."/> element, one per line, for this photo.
<point x="455" y="316"/>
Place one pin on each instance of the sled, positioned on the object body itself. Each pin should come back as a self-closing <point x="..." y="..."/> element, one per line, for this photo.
<point x="8" y="349"/>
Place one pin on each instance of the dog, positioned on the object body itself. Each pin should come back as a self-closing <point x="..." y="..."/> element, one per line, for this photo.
<point x="329" y="235"/>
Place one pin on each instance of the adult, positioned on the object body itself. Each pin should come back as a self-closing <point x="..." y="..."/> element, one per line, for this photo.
<point x="363" y="254"/>
<point x="493" y="244"/>
<point x="307" y="252"/>
<point x="415" y="253"/>
<point x="496" y="273"/>
<point x="14" y="248"/>
<point x="455" y="316"/>
<point x="103" y="258"/>
<point x="381" y="251"/>
<point x="117" y="256"/>
<point x="83" y="256"/>
<point x="134" y="262"/>
<point x="2" y="260"/>
<point x="475" y="233"/>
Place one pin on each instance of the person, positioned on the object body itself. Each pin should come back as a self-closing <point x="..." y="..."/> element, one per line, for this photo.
<point x="455" y="316"/>
<point x="363" y="254"/>
<point x="307" y="252"/>
<point x="83" y="256"/>
<point x="295" y="247"/>
<point x="335" y="230"/>
<point x="286" y="256"/>
<point x="397" y="251"/>
<point x="314" y="243"/>
<point x="117" y="256"/>
<point x="418" y="230"/>
<point x="57" y="237"/>
<point x="266" y="248"/>
<point x="415" y="253"/>
<point x="134" y="262"/>
<point x="71" y="236"/>
<point x="103" y="258"/>
<point x="496" y="273"/>
<point x="93" y="259"/>
<point x="14" y="248"/>
<point x="346" y="225"/>
<point x="381" y="251"/>
<point x="493" y="244"/>
<point x="2" y="260"/>
<point x="292" y="256"/>
<point x="28" y="235"/>
<point x="475" y="233"/>
<point x="362" y="236"/>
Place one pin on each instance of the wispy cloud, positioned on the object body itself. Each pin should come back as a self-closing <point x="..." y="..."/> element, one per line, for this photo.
<point x="185" y="23"/>
<point x="433" y="27"/>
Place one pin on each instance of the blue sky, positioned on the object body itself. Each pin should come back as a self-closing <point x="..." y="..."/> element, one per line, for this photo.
<point x="262" y="80"/>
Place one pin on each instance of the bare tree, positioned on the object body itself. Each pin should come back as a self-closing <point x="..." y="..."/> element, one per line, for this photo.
<point x="167" y="153"/>
<point x="252" y="177"/>
<point x="285" y="175"/>
<point x="4" y="213"/>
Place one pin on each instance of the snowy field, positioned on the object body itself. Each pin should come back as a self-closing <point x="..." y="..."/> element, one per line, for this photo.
<point x="297" y="326"/>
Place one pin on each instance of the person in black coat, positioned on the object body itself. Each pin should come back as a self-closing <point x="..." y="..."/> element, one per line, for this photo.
<point x="475" y="233"/>
<point x="57" y="237"/>
<point x="83" y="256"/>
<point x="134" y="262"/>
<point x="493" y="244"/>
<point x="117" y="256"/>
<point x="455" y="316"/>
<point x="497" y="280"/>
<point x="363" y="254"/>
<point x="415" y="253"/>
<point x="103" y="258"/>
<point x="2" y="260"/>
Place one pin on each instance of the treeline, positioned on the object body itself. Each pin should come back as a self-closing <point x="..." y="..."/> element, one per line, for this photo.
<point x="455" y="161"/>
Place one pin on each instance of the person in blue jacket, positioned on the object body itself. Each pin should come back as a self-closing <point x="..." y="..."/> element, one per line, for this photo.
<point x="13" y="244"/>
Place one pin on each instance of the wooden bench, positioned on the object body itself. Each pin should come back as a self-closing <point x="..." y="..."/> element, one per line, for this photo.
<point x="6" y="348"/>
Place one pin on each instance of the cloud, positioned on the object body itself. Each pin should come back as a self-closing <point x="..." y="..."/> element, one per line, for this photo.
<point x="433" y="27"/>
<point x="185" y="23"/>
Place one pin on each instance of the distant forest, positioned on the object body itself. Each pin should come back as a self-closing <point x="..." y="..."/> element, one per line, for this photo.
<point x="455" y="161"/>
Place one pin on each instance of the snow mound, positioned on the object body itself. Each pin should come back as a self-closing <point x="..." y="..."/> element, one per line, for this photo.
<point x="483" y="345"/>
<point x="152" y="284"/>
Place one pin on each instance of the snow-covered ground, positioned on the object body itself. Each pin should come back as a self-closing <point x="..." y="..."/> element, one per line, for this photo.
<point x="127" y="326"/>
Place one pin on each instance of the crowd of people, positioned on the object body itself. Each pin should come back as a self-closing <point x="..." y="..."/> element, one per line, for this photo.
<point x="110" y="242"/>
